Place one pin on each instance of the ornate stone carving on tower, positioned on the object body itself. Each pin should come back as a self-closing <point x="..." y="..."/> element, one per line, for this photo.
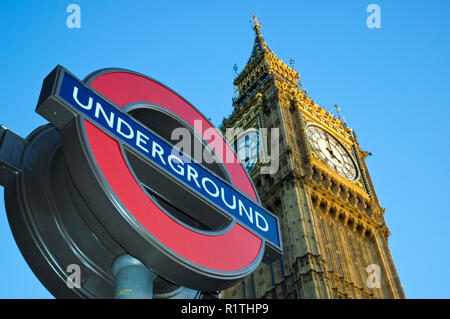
<point x="335" y="237"/>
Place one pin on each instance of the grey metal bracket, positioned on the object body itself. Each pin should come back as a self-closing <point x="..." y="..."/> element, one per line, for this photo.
<point x="12" y="147"/>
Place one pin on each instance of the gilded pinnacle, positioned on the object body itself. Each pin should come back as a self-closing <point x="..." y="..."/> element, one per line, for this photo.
<point x="257" y="25"/>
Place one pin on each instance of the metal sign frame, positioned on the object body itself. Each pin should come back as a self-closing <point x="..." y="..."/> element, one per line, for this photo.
<point x="95" y="156"/>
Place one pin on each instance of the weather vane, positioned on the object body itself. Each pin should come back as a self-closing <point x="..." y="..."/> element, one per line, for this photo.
<point x="338" y="110"/>
<point x="257" y="23"/>
<point x="292" y="62"/>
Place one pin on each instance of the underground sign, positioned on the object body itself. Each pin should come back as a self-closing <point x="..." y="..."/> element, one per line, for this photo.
<point x="197" y="224"/>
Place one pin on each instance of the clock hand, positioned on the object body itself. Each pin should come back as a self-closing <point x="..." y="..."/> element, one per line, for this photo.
<point x="332" y="154"/>
<point x="330" y="150"/>
<point x="328" y="140"/>
<point x="329" y="146"/>
<point x="340" y="155"/>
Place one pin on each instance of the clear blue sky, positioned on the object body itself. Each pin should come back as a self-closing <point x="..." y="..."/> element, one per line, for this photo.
<point x="392" y="84"/>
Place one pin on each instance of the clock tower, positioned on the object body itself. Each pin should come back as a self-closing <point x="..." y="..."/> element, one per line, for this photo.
<point x="334" y="234"/>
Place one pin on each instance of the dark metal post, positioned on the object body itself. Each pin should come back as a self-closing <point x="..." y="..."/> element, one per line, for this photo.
<point x="133" y="279"/>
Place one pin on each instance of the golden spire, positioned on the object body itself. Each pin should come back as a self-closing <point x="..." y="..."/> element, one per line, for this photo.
<point x="257" y="25"/>
<point x="260" y="45"/>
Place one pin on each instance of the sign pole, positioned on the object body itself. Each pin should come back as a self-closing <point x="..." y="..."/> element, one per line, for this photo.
<point x="133" y="279"/>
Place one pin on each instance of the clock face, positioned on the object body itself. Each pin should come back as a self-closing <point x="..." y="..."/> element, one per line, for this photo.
<point x="331" y="152"/>
<point x="247" y="149"/>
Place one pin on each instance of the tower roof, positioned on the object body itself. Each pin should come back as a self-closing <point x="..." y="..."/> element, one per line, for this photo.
<point x="261" y="50"/>
<point x="259" y="46"/>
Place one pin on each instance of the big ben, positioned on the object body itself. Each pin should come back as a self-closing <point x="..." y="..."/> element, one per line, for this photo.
<point x="334" y="233"/>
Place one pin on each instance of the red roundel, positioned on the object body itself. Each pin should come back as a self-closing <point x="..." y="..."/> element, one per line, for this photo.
<point x="228" y="255"/>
